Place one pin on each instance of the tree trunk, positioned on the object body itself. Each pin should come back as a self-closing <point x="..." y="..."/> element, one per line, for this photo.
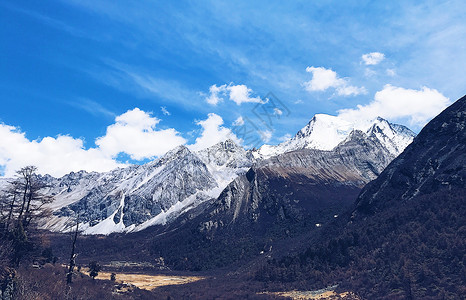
<point x="26" y="188"/>
<point x="10" y="213"/>
<point x="69" y="276"/>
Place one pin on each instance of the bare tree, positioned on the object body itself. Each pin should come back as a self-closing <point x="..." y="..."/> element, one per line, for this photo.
<point x="33" y="200"/>
<point x="8" y="203"/>
<point x="22" y="204"/>
<point x="69" y="275"/>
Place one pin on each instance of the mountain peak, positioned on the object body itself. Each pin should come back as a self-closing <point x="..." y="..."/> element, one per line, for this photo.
<point x="227" y="144"/>
<point x="325" y="132"/>
<point x="226" y="153"/>
<point x="177" y="151"/>
<point x="321" y="124"/>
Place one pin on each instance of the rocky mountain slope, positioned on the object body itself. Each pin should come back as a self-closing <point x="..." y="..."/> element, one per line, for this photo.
<point x="435" y="162"/>
<point x="404" y="238"/>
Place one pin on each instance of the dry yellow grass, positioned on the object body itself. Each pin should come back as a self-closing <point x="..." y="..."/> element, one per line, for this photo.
<point x="149" y="282"/>
<point x="308" y="295"/>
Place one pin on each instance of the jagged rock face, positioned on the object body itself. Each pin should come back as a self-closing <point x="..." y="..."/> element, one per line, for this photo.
<point x="404" y="237"/>
<point x="394" y="137"/>
<point x="435" y="160"/>
<point x="226" y="154"/>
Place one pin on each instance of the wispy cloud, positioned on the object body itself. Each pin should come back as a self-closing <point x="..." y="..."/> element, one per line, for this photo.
<point x="266" y="135"/>
<point x="49" y="21"/>
<point x="390" y="72"/>
<point x="92" y="107"/>
<point x="165" y="111"/>
<point x="141" y="83"/>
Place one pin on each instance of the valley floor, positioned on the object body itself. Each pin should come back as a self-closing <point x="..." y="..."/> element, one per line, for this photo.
<point x="149" y="282"/>
<point x="48" y="282"/>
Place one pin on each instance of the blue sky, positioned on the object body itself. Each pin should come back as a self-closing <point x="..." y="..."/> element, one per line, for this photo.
<point x="81" y="75"/>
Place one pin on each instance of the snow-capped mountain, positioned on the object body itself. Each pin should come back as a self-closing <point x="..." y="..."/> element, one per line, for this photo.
<point x="325" y="132"/>
<point x="136" y="197"/>
<point x="226" y="160"/>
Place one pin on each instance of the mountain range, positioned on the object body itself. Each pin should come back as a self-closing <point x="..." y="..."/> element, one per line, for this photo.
<point x="136" y="197"/>
<point x="280" y="198"/>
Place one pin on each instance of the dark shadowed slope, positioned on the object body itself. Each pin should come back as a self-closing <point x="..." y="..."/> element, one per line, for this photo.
<point x="405" y="237"/>
<point x="435" y="161"/>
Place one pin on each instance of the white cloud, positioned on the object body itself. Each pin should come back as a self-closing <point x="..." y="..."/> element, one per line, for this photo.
<point x="373" y="58"/>
<point x="239" y="121"/>
<point x="417" y="106"/>
<point x="212" y="133"/>
<point x="242" y="94"/>
<point x="134" y="133"/>
<point x="165" y="111"/>
<point x="215" y="94"/>
<point x="323" y="79"/>
<point x="237" y="93"/>
<point x="277" y="112"/>
<point x="55" y="156"/>
<point x="299" y="101"/>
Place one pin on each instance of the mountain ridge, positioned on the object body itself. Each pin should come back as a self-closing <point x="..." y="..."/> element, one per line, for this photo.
<point x="325" y="132"/>
<point x="133" y="198"/>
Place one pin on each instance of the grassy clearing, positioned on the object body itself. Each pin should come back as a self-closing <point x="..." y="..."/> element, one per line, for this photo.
<point x="149" y="282"/>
